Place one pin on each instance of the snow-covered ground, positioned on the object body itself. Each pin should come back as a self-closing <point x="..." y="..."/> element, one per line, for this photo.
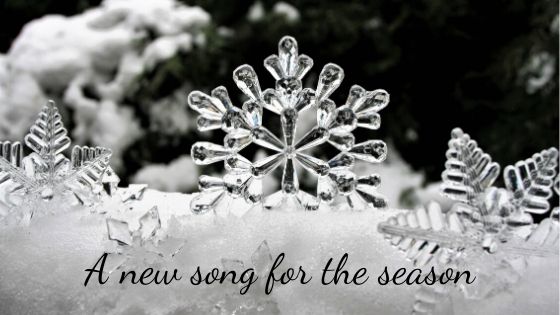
<point x="42" y="266"/>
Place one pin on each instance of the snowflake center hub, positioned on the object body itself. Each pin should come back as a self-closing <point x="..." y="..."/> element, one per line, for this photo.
<point x="290" y="152"/>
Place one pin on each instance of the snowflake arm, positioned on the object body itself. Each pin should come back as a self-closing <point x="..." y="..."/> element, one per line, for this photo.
<point x="531" y="181"/>
<point x="468" y="170"/>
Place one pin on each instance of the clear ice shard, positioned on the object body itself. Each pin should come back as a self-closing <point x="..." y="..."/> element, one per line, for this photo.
<point x="288" y="99"/>
<point x="118" y="231"/>
<point x="147" y="244"/>
<point x="150" y="223"/>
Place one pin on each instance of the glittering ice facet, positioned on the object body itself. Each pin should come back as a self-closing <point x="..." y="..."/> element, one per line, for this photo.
<point x="313" y="164"/>
<point x="233" y="119"/>
<point x="206" y="105"/>
<point x="372" y="101"/>
<point x="304" y="64"/>
<point x="253" y="191"/>
<point x="267" y="139"/>
<point x="253" y="113"/>
<point x="237" y="140"/>
<point x="343" y="142"/>
<point x="205" y="202"/>
<point x="289" y="178"/>
<point x="369" y="120"/>
<point x="289" y="100"/>
<point x="341" y="161"/>
<point x="266" y="165"/>
<point x="314" y="137"/>
<point x="272" y="101"/>
<point x="289" y="121"/>
<point x="205" y="153"/>
<point x="246" y="79"/>
<point x="288" y="53"/>
<point x="150" y="223"/>
<point x="325" y="111"/>
<point x="237" y="164"/>
<point x="288" y="86"/>
<point x="205" y="124"/>
<point x="305" y="99"/>
<point x="373" y="151"/>
<point x="345" y="181"/>
<point x="272" y="64"/>
<point x="210" y="183"/>
<point x="355" y="96"/>
<point x="329" y="80"/>
<point x="326" y="189"/>
<point x="118" y="231"/>
<point x="344" y="121"/>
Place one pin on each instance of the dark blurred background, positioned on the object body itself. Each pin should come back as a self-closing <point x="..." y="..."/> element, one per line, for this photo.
<point x="489" y="67"/>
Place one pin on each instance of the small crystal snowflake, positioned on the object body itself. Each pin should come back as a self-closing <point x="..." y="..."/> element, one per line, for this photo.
<point x="244" y="126"/>
<point x="46" y="172"/>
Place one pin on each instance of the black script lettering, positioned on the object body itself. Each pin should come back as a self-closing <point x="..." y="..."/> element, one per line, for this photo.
<point x="340" y="272"/>
<point x="99" y="271"/>
<point x="286" y="277"/>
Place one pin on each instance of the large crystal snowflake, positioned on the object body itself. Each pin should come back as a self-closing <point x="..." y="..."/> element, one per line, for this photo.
<point x="244" y="126"/>
<point x="489" y="230"/>
<point x="46" y="172"/>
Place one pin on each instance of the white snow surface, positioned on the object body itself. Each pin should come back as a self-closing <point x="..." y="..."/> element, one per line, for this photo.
<point x="42" y="266"/>
<point x="101" y="51"/>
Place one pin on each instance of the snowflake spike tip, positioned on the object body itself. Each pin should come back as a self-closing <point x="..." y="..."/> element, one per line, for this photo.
<point x="288" y="65"/>
<point x="248" y="82"/>
<point x="330" y="79"/>
<point x="48" y="137"/>
<point x="531" y="181"/>
<point x="468" y="170"/>
<point x="334" y="126"/>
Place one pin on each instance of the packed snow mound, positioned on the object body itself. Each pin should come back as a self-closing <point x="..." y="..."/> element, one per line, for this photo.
<point x="42" y="266"/>
<point x="90" y="61"/>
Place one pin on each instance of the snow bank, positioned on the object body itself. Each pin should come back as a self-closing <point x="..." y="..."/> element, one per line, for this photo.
<point x="67" y="244"/>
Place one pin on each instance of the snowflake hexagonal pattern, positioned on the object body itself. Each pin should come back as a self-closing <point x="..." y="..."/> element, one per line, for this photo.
<point x="244" y="126"/>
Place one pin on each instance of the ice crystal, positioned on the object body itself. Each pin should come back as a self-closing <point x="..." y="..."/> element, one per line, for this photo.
<point x="47" y="172"/>
<point x="147" y="244"/>
<point x="254" y="301"/>
<point x="489" y="230"/>
<point x="244" y="126"/>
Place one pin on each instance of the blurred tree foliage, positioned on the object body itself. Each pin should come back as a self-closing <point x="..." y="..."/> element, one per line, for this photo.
<point x="445" y="63"/>
<point x="14" y="14"/>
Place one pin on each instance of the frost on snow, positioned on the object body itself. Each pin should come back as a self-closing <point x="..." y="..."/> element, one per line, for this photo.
<point x="244" y="126"/>
<point x="90" y="61"/>
<point x="489" y="230"/>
